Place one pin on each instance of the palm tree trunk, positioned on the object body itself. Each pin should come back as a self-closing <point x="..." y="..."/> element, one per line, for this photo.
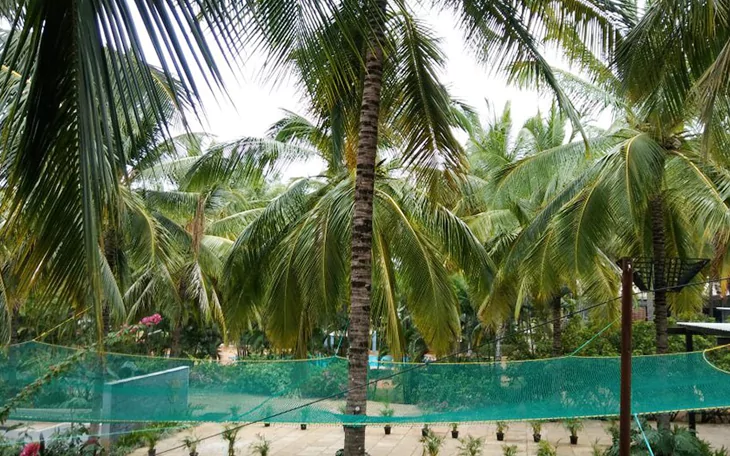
<point x="176" y="336"/>
<point x="14" y="323"/>
<point x="501" y="331"/>
<point x="362" y="232"/>
<point x="556" y="308"/>
<point x="656" y="207"/>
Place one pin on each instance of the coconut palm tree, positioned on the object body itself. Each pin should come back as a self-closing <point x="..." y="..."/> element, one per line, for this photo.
<point x="290" y="265"/>
<point x="498" y="31"/>
<point x="197" y="197"/>
<point x="656" y="187"/>
<point x="78" y="84"/>
<point x="500" y="211"/>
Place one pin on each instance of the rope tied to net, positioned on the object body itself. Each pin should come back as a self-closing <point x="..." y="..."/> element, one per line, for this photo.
<point x="339" y="344"/>
<point x="69" y="319"/>
<point x="641" y="429"/>
<point x="595" y="336"/>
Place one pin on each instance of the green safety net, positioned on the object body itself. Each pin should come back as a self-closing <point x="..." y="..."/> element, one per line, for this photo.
<point x="125" y="388"/>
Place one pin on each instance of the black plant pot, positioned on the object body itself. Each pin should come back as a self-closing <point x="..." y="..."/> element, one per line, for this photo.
<point x="151" y="452"/>
<point x="454" y="434"/>
<point x="303" y="427"/>
<point x="536" y="437"/>
<point x="424" y="432"/>
<point x="267" y="424"/>
<point x="193" y="453"/>
<point x="387" y="429"/>
<point x="574" y="440"/>
<point x="500" y="436"/>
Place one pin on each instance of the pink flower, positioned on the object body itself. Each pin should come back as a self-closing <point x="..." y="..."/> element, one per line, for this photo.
<point x="152" y="320"/>
<point x="31" y="449"/>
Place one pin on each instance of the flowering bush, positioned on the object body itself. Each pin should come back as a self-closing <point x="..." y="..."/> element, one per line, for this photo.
<point x="152" y="320"/>
<point x="31" y="449"/>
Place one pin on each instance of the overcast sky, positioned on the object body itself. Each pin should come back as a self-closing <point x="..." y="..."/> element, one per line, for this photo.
<point x="258" y="103"/>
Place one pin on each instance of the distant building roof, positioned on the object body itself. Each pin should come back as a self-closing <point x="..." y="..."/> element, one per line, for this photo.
<point x="711" y="329"/>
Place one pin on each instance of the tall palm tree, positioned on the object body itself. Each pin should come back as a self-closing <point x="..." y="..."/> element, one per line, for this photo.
<point x="500" y="212"/>
<point x="500" y="32"/>
<point x="655" y="188"/>
<point x="78" y="83"/>
<point x="516" y="40"/>
<point x="290" y="264"/>
<point x="198" y="196"/>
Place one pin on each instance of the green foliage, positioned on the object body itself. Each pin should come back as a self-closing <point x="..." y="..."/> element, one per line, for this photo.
<point x="509" y="450"/>
<point x="9" y="448"/>
<point x="191" y="443"/>
<point x="545" y="448"/>
<point x="230" y="433"/>
<point x="574" y="426"/>
<point x="471" y="446"/>
<point x="720" y="358"/>
<point x="536" y="426"/>
<point x="432" y="444"/>
<point x="387" y="411"/>
<point x="502" y="426"/>
<point x="674" y="442"/>
<point x="150" y="437"/>
<point x="596" y="449"/>
<point x="262" y="447"/>
<point x="578" y="330"/>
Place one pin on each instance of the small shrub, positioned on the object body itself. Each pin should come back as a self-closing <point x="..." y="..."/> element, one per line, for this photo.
<point x="262" y="447"/>
<point x="545" y="448"/>
<point x="191" y="443"/>
<point x="387" y="411"/>
<point x="230" y="433"/>
<point x="471" y="446"/>
<point x="432" y="444"/>
<point x="509" y="450"/>
<point x="596" y="449"/>
<point x="536" y="426"/>
<point x="574" y="426"/>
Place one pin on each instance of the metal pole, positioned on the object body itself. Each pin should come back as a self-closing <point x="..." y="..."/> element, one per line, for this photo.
<point x="689" y="346"/>
<point x="626" y="327"/>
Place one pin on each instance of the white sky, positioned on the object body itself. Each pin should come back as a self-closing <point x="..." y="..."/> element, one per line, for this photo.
<point x="257" y="103"/>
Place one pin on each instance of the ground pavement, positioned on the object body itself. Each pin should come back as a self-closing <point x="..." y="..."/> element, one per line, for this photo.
<point x="289" y="440"/>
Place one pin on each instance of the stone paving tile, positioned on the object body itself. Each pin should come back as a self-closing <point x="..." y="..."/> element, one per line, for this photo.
<point x="289" y="440"/>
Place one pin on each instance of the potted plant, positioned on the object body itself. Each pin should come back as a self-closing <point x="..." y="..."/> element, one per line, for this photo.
<point x="471" y="446"/>
<point x="305" y="418"/>
<point x="263" y="446"/>
<point x="425" y="431"/>
<point x="574" y="426"/>
<point x="509" y="450"/>
<point x="150" y="438"/>
<point x="432" y="444"/>
<point x="268" y="411"/>
<point x="545" y="448"/>
<point x="454" y="430"/>
<point x="229" y="435"/>
<point x="191" y="443"/>
<point x="596" y="449"/>
<point x="501" y="428"/>
<point x="536" y="429"/>
<point x="387" y="411"/>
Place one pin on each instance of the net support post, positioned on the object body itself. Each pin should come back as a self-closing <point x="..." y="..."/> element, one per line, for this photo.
<point x="689" y="347"/>
<point x="626" y="329"/>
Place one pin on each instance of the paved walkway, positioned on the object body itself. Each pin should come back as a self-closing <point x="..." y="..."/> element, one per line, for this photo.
<point x="289" y="440"/>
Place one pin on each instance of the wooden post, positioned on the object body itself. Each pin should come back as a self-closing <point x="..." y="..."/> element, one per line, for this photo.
<point x="626" y="327"/>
